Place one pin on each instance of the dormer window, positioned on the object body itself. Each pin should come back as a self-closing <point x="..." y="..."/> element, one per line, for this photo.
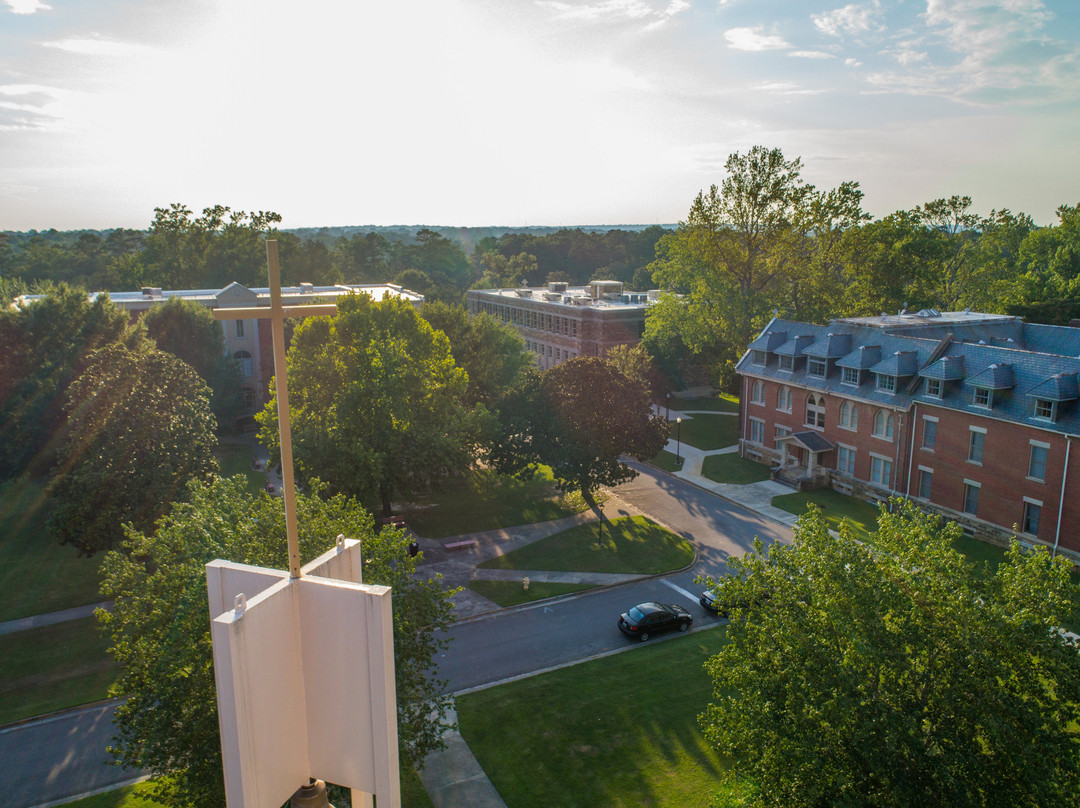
<point x="851" y="376"/>
<point x="816" y="367"/>
<point x="1045" y="409"/>
<point x="786" y="363"/>
<point x="757" y="357"/>
<point x="885" y="383"/>
<point x="933" y="388"/>
<point x="982" y="397"/>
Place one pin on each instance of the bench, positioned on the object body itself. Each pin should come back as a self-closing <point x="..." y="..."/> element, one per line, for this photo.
<point x="459" y="545"/>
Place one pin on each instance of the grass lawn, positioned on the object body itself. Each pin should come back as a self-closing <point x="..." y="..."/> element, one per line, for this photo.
<point x="723" y="403"/>
<point x="236" y="459"/>
<point x="667" y="461"/>
<point x="834" y="507"/>
<point x="707" y="432"/>
<point x="483" y="500"/>
<point x="38" y="575"/>
<point x="511" y="593"/>
<point x="413" y="795"/>
<point x="631" y="544"/>
<point x="730" y="468"/>
<point x="52" y="668"/>
<point x="618" y="731"/>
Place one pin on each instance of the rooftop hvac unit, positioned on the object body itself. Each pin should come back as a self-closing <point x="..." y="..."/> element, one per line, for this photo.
<point x="552" y="296"/>
<point x="654" y="294"/>
<point x="557" y="286"/>
<point x="151" y="291"/>
<point x="307" y="288"/>
<point x="524" y="292"/>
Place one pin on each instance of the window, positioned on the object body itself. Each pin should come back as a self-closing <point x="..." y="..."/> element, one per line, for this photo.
<point x="1037" y="461"/>
<point x="884" y="425"/>
<point x="845" y="459"/>
<point x="886" y="384"/>
<point x="247" y="398"/>
<point x="786" y="363"/>
<point x="246" y="364"/>
<point x="880" y="469"/>
<point x="976" y="442"/>
<point x="757" y="430"/>
<point x="933" y="388"/>
<point x="783" y="399"/>
<point x="1032" y="510"/>
<point x="781" y="432"/>
<point x="971" y="497"/>
<point x="981" y="397"/>
<point x="849" y="416"/>
<point x="851" y="376"/>
<point x="1044" y="409"/>
<point x="240" y="329"/>
<point x="757" y="392"/>
<point x="926" y="478"/>
<point x="929" y="433"/>
<point x="815" y="411"/>
<point x="816" y="367"/>
<point x="757" y="357"/>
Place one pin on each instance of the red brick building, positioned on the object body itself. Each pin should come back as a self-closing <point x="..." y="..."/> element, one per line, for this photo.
<point x="972" y="415"/>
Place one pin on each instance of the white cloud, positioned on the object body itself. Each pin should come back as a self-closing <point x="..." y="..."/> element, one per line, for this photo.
<point x="93" y="46"/>
<point x="851" y="61"/>
<point x="907" y="56"/>
<point x="811" y="55"/>
<point x="751" y="39"/>
<point x="624" y="9"/>
<point x="26" y="6"/>
<point x="851" y="19"/>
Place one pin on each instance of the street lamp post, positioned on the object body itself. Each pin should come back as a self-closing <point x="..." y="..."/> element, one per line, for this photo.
<point x="678" y="440"/>
<point x="667" y="415"/>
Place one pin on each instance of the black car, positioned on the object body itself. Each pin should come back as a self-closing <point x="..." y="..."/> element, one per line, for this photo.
<point x="646" y="619"/>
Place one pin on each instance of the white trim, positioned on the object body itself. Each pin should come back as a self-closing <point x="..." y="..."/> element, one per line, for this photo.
<point x="880" y="456"/>
<point x="933" y="418"/>
<point x="1031" y="501"/>
<point x="1040" y="444"/>
<point x="972" y="482"/>
<point x="977" y="429"/>
<point x="926" y="468"/>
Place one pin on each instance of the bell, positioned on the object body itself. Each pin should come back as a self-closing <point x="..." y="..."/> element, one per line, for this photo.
<point x="312" y="795"/>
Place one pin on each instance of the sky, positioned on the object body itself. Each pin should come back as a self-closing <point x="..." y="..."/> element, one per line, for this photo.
<point x="525" y="112"/>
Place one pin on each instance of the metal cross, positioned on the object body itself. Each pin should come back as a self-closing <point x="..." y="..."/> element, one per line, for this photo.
<point x="278" y="313"/>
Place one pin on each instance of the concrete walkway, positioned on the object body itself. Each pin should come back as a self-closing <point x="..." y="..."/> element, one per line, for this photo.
<point x="453" y="777"/>
<point x="52" y="618"/>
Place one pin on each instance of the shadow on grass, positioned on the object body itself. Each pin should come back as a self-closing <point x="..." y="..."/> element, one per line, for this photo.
<point x="730" y="468"/>
<point x="513" y="593"/>
<point x="707" y="432"/>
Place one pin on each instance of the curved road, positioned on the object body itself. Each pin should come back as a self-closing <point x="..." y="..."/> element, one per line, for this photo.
<point x="57" y="757"/>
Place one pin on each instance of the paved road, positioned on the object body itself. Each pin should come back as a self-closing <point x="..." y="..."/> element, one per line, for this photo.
<point x="57" y="757"/>
<point x="48" y="760"/>
<point x="511" y="643"/>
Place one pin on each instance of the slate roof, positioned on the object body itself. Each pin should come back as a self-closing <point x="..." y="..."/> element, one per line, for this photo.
<point x="769" y="341"/>
<point x="833" y="346"/>
<point x="1052" y="372"/>
<point x="810" y="440"/>
<point x="862" y="358"/>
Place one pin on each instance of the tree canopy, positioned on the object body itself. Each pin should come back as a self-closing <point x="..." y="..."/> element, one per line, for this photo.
<point x="188" y="331"/>
<point x="139" y="427"/>
<point x="378" y="405"/>
<point x="897" y="674"/>
<point x="159" y="628"/>
<point x="578" y="417"/>
<point x="47" y="345"/>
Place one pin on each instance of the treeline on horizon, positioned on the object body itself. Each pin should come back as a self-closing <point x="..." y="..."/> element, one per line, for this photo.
<point x="808" y="254"/>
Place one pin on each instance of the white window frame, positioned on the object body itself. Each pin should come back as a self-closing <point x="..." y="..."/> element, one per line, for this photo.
<point x="982" y="392"/>
<point x="972" y="432"/>
<point x="757" y="392"/>
<point x="850" y="377"/>
<point x="758" y="357"/>
<point x="1045" y="447"/>
<point x="851" y="423"/>
<point x="978" y="489"/>
<point x="935" y="391"/>
<point x="780" y="432"/>
<point x="842" y="450"/>
<point x="756" y="426"/>
<point x="814" y="363"/>
<point x="888" y="423"/>
<point x="1028" y="503"/>
<point x="923" y="445"/>
<point x="886" y="383"/>
<point x="785" y="363"/>
<point x="1048" y="416"/>
<point x="784" y="397"/>
<point x="885" y="463"/>
<point x="815" y="411"/>
<point x="925" y="473"/>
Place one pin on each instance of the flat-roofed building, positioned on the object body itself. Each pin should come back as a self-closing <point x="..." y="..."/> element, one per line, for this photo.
<point x="559" y="321"/>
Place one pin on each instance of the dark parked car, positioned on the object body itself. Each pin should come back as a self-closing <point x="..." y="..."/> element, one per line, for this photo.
<point x="646" y="619"/>
<point x="710" y="602"/>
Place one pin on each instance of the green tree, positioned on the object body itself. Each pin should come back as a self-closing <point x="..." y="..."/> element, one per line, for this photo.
<point x="378" y="404"/>
<point x="46" y="346"/>
<point x="160" y="630"/>
<point x="491" y="352"/>
<point x="188" y="331"/>
<point x="578" y="417"/>
<point x="139" y="427"/>
<point x="897" y="674"/>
